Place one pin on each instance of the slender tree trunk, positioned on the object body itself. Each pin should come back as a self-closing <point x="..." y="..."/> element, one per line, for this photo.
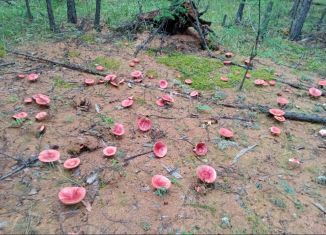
<point x="97" y="16"/>
<point x="52" y="24"/>
<point x="71" y="12"/>
<point x="28" y="11"/>
<point x="299" y="19"/>
<point x="294" y="8"/>
<point x="224" y="20"/>
<point x="266" y="19"/>
<point x="320" y="21"/>
<point x="238" y="18"/>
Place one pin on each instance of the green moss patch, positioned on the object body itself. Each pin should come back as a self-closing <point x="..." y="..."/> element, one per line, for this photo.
<point x="108" y="63"/>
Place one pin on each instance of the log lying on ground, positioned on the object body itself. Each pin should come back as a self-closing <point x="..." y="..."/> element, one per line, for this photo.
<point x="68" y="66"/>
<point x="303" y="117"/>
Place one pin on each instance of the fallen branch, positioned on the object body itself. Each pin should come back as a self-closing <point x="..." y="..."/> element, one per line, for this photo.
<point x="289" y="115"/>
<point x="242" y="152"/>
<point x="319" y="206"/>
<point x="126" y="160"/>
<point x="21" y="164"/>
<point x="298" y="86"/>
<point x="69" y="66"/>
<point x="6" y="64"/>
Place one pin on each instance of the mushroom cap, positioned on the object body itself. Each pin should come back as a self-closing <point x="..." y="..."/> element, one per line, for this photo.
<point x="282" y="101"/>
<point x="247" y="61"/>
<point x="160" y="102"/>
<point x="194" y="93"/>
<point x="227" y="62"/>
<point x="259" y="82"/>
<point x="49" y="155"/>
<point x="248" y="75"/>
<point x="71" y="163"/>
<point x="110" y="77"/>
<point x="33" y="77"/>
<point x="72" y="195"/>
<point x="118" y="129"/>
<point x="322" y="83"/>
<point x="127" y="103"/>
<point x="144" y="124"/>
<point x="41" y="116"/>
<point x="167" y="98"/>
<point x="160" y="181"/>
<point x="20" y="115"/>
<point x="89" y="81"/>
<point x="276" y="112"/>
<point x="136" y="74"/>
<point x="315" y="92"/>
<point x="136" y="60"/>
<point x="109" y="151"/>
<point x="322" y="132"/>
<point x="160" y="149"/>
<point x="225" y="133"/>
<point x="228" y="54"/>
<point x="295" y="161"/>
<point x="188" y="81"/>
<point x="28" y="100"/>
<point x="163" y="84"/>
<point x="113" y="83"/>
<point x="275" y="130"/>
<point x="201" y="149"/>
<point x="100" y="68"/>
<point x="280" y="118"/>
<point x="206" y="173"/>
<point x="272" y="82"/>
<point x="21" y="76"/>
<point x="224" y="79"/>
<point x="41" y="99"/>
<point x="132" y="64"/>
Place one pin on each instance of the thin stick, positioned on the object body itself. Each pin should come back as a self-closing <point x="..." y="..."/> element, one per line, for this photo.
<point x="135" y="156"/>
<point x="243" y="152"/>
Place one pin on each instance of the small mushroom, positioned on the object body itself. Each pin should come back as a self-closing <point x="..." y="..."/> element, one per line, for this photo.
<point x="41" y="99"/>
<point x="275" y="130"/>
<point x="224" y="79"/>
<point x="163" y="84"/>
<point x="227" y="62"/>
<point x="160" y="149"/>
<point x="201" y="149"/>
<point x="21" y="115"/>
<point x="72" y="195"/>
<point x="28" y="100"/>
<point x="144" y="124"/>
<point x="110" y="77"/>
<point x="49" y="155"/>
<point x="322" y="83"/>
<point x="276" y="112"/>
<point x="314" y="92"/>
<point x="228" y="54"/>
<point x="272" y="82"/>
<point x="71" y="163"/>
<point x="118" y="129"/>
<point x="160" y="181"/>
<point x="206" y="173"/>
<point x="248" y="75"/>
<point x="41" y="116"/>
<point x="127" y="103"/>
<point x="259" y="82"/>
<point x="167" y="98"/>
<point x="89" y="81"/>
<point x="194" y="94"/>
<point x="132" y="64"/>
<point x="21" y="76"/>
<point x="136" y="60"/>
<point x="137" y="74"/>
<point x="100" y="68"/>
<point x="226" y="133"/>
<point x="280" y="118"/>
<point x="160" y="102"/>
<point x="33" y="77"/>
<point x="282" y="101"/>
<point x="188" y="81"/>
<point x="109" y="151"/>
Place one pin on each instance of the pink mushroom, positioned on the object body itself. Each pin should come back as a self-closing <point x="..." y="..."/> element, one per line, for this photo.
<point x="294" y="162"/>
<point x="201" y="149"/>
<point x="322" y="83"/>
<point x="72" y="195"/>
<point x="276" y="112"/>
<point x="132" y="64"/>
<point x="314" y="92"/>
<point x="228" y="54"/>
<point x="160" y="102"/>
<point x="110" y="77"/>
<point x="194" y="93"/>
<point x="163" y="84"/>
<point x="127" y="103"/>
<point x="160" y="149"/>
<point x="144" y="124"/>
<point x="136" y="60"/>
<point x="21" y="115"/>
<point x="248" y="75"/>
<point x="21" y="76"/>
<point x="247" y="62"/>
<point x="41" y="99"/>
<point x="71" y="163"/>
<point x="282" y="101"/>
<point x="160" y="181"/>
<point x="227" y="62"/>
<point x="226" y="133"/>
<point x="100" y="68"/>
<point x="28" y="100"/>
<point x="33" y="77"/>
<point x="280" y="118"/>
<point x="136" y="74"/>
<point x="272" y="82"/>
<point x="275" y="130"/>
<point x="41" y="116"/>
<point x="49" y="155"/>
<point x="100" y="81"/>
<point x="259" y="82"/>
<point x="113" y="83"/>
<point x="188" y="81"/>
<point x="109" y="151"/>
<point x="224" y="79"/>
<point x="206" y="173"/>
<point x="167" y="98"/>
<point x="118" y="129"/>
<point x="89" y="81"/>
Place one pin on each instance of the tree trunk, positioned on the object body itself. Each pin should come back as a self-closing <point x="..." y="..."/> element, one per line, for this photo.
<point x="28" y="11"/>
<point x="52" y="24"/>
<point x="320" y="21"/>
<point x="238" y="18"/>
<point x="299" y="19"/>
<point x="266" y="19"/>
<point x="71" y="12"/>
<point x="97" y="16"/>
<point x="294" y="8"/>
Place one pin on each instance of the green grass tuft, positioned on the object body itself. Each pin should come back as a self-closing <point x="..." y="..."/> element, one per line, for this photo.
<point x="108" y="63"/>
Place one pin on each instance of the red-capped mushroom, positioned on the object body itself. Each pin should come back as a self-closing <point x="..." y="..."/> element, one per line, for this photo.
<point x="314" y="92"/>
<point x="21" y="115"/>
<point x="89" y="81"/>
<point x="188" y="81"/>
<point x="194" y="93"/>
<point x="118" y="129"/>
<point x="33" y="77"/>
<point x="49" y="155"/>
<point x="41" y="99"/>
<point x="201" y="149"/>
<point x="136" y="60"/>
<point x="132" y="64"/>
<point x="163" y="84"/>
<point x="71" y="163"/>
<point x="72" y="195"/>
<point x="295" y="161"/>
<point x="272" y="82"/>
<point x="259" y="82"/>
<point x="160" y="149"/>
<point x="110" y="77"/>
<point x="276" y="112"/>
<point x="248" y="62"/>
<point x="144" y="124"/>
<point x="227" y="62"/>
<point x="280" y="118"/>
<point x="160" y="181"/>
<point x="206" y="173"/>
<point x="282" y="101"/>
<point x="167" y="98"/>
<point x="137" y="74"/>
<point x="275" y="130"/>
<point x="21" y="76"/>
<point x="160" y="102"/>
<point x="28" y="100"/>
<point x="127" y="103"/>
<point x="248" y="75"/>
<point x="100" y="68"/>
<point x="322" y="83"/>
<point x="100" y="81"/>
<point x="226" y="133"/>
<point x="41" y="116"/>
<point x="109" y="151"/>
<point x="228" y="54"/>
<point x="224" y="79"/>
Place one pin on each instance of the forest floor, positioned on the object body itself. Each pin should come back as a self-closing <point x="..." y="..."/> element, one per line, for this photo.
<point x="260" y="193"/>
